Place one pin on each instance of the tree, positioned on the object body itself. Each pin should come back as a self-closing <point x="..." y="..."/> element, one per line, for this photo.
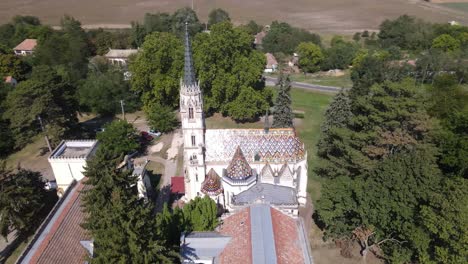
<point x="283" y="114"/>
<point x="122" y="225"/>
<point x="446" y="43"/>
<point x="310" y="56"/>
<point x="118" y="139"/>
<point x="182" y="16"/>
<point x="159" y="22"/>
<point x="217" y="15"/>
<point x="282" y="37"/>
<point x="13" y="66"/>
<point x="252" y="27"/>
<point x="406" y="32"/>
<point x="229" y="71"/>
<point x="446" y="221"/>
<point x="22" y="196"/>
<point x="201" y="214"/>
<point x="161" y="118"/>
<point x="157" y="69"/>
<point x="101" y="93"/>
<point x="46" y="95"/>
<point x="339" y="56"/>
<point x="67" y="50"/>
<point x="357" y="36"/>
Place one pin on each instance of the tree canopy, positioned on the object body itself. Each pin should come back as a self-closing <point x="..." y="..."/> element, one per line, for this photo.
<point x="283" y="114"/>
<point x="284" y="38"/>
<point x="229" y="71"/>
<point x="310" y="56"/>
<point x="216" y="16"/>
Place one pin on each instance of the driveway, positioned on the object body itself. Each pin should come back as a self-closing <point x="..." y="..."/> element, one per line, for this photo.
<point x="271" y="81"/>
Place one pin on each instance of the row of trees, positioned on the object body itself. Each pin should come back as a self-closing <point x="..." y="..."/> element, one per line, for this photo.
<point x="124" y="227"/>
<point x="393" y="158"/>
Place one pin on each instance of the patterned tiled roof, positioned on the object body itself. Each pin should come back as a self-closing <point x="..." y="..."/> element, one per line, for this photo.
<point x="278" y="145"/>
<point x="239" y="168"/>
<point x="212" y="184"/>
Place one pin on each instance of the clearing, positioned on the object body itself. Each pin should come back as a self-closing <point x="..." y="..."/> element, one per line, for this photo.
<point x="317" y="15"/>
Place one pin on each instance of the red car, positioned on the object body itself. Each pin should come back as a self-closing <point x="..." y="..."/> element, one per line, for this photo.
<point x="146" y="136"/>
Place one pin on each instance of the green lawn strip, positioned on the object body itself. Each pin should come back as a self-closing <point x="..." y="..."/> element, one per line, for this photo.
<point x="314" y="105"/>
<point x="322" y="79"/>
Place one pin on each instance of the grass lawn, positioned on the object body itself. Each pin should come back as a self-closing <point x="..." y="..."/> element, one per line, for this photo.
<point x="458" y="6"/>
<point x="314" y="105"/>
<point x="323" y="79"/>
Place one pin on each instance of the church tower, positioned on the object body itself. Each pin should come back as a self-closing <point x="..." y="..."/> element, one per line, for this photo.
<point x="193" y="124"/>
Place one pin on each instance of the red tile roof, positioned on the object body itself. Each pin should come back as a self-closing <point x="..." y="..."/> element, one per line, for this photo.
<point x="62" y="243"/>
<point x="177" y="185"/>
<point x="27" y="44"/>
<point x="286" y="233"/>
<point x="239" y="249"/>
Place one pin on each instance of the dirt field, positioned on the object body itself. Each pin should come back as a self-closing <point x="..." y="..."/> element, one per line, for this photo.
<point x="317" y="15"/>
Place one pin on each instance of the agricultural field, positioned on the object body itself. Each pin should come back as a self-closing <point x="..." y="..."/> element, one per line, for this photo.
<point x="317" y="15"/>
<point x="461" y="6"/>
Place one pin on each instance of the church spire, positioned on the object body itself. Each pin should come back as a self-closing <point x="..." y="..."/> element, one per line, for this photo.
<point x="189" y="72"/>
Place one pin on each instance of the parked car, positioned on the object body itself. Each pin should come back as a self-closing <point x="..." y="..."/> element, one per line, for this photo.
<point x="146" y="136"/>
<point x="154" y="132"/>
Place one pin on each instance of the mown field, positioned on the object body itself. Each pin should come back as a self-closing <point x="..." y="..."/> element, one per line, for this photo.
<point x="317" y="15"/>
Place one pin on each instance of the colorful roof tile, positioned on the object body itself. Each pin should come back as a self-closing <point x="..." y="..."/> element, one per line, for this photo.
<point x="276" y="145"/>
<point x="212" y="184"/>
<point x="239" y="168"/>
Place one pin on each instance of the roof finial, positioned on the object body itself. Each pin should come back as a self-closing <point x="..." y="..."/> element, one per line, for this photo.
<point x="189" y="73"/>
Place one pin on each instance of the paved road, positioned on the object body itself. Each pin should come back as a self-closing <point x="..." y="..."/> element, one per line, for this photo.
<point x="271" y="81"/>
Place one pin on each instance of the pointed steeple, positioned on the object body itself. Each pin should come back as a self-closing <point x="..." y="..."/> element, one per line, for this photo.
<point x="189" y="72"/>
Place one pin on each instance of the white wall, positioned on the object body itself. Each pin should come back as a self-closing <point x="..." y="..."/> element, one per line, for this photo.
<point x="67" y="170"/>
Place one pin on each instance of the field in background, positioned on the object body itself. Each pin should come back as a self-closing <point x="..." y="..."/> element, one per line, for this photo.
<point x="317" y="15"/>
<point x="461" y="6"/>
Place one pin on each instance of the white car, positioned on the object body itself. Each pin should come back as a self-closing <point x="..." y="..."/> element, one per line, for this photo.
<point x="50" y="185"/>
<point x="154" y="133"/>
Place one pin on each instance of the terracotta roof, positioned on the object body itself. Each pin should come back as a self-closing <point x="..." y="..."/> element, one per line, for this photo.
<point x="239" y="168"/>
<point x="8" y="79"/>
<point x="177" y="185"/>
<point x="60" y="241"/>
<point x="271" y="61"/>
<point x="286" y="243"/>
<point x="239" y="249"/>
<point x="212" y="184"/>
<point x="27" y="44"/>
<point x="276" y="145"/>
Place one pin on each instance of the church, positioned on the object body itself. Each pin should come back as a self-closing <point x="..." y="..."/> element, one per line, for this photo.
<point x="238" y="167"/>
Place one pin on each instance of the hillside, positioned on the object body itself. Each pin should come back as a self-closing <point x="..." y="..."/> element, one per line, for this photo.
<point x="324" y="16"/>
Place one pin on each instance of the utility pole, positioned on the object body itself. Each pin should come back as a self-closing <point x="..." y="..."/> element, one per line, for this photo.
<point x="122" y="103"/>
<point x="43" y="130"/>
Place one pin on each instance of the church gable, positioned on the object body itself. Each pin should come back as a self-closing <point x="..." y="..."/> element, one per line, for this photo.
<point x="239" y="168"/>
<point x="268" y="174"/>
<point x="286" y="175"/>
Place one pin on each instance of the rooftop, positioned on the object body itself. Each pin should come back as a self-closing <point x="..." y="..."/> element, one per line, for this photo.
<point x="120" y="53"/>
<point x="74" y="149"/>
<point x="203" y="245"/>
<point x="262" y="234"/>
<point x="268" y="193"/>
<point x="177" y="185"/>
<point x="271" y="60"/>
<point x="27" y="44"/>
<point x="276" y="145"/>
<point x="59" y="241"/>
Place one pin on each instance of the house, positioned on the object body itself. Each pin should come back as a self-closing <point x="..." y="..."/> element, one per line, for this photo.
<point x="61" y="238"/>
<point x="119" y="57"/>
<point x="238" y="167"/>
<point x="258" y="234"/>
<point x="69" y="159"/>
<point x="10" y="80"/>
<point x="294" y="61"/>
<point x="258" y="40"/>
<point x="26" y="47"/>
<point x="272" y="64"/>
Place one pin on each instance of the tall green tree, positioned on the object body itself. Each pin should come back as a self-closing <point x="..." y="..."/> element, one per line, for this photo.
<point x="310" y="56"/>
<point x="217" y="15"/>
<point x="44" y="95"/>
<point x="283" y="114"/>
<point x="446" y="43"/>
<point x="229" y="71"/>
<point x="284" y="38"/>
<point x="11" y="65"/>
<point x="182" y="16"/>
<point x="161" y="118"/>
<point x="22" y="196"/>
<point x="157" y="69"/>
<point x="102" y="92"/>
<point x="201" y="214"/>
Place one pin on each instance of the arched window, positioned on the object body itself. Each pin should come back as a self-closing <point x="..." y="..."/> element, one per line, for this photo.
<point x="190" y="113"/>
